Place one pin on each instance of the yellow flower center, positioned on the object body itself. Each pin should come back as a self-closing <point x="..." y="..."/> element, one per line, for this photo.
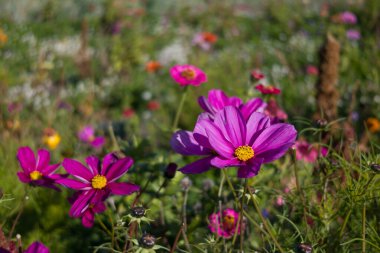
<point x="189" y="74"/>
<point x="244" y="153"/>
<point x="99" y="182"/>
<point x="35" y="175"/>
<point x="228" y="221"/>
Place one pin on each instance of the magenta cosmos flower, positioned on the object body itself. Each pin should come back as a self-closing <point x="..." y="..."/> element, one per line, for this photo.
<point x="217" y="100"/>
<point x="37" y="171"/>
<point x="230" y="141"/>
<point x="37" y="247"/>
<point x="268" y="89"/>
<point x="87" y="135"/>
<point x="96" y="182"/>
<point x="353" y="34"/>
<point x="308" y="152"/>
<point x="225" y="226"/>
<point x="186" y="75"/>
<point x="348" y="17"/>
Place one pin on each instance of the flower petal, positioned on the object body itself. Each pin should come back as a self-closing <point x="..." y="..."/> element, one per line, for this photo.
<point x="88" y="219"/>
<point x="118" y="169"/>
<point x="74" y="184"/>
<point x="77" y="169"/>
<point x="108" y="160"/>
<point x="251" y="169"/>
<point x="256" y="122"/>
<point x="43" y="159"/>
<point x="93" y="164"/>
<point x="217" y="141"/>
<point x="274" y="141"/>
<point x="184" y="143"/>
<point x="81" y="203"/>
<point x="26" y="158"/>
<point x="253" y="105"/>
<point x="23" y="177"/>
<point x="123" y="188"/>
<point x="37" y="247"/>
<point x="222" y="163"/>
<point x="50" y="169"/>
<point x="231" y="123"/>
<point x="198" y="166"/>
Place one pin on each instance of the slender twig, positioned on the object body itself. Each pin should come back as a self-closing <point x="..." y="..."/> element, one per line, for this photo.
<point x="179" y="110"/>
<point x="363" y="228"/>
<point x="345" y="223"/>
<point x="264" y="221"/>
<point x="177" y="238"/>
<point x="104" y="227"/>
<point x="220" y="205"/>
<point x="299" y="189"/>
<point x="21" y="209"/>
<point x="184" y="220"/>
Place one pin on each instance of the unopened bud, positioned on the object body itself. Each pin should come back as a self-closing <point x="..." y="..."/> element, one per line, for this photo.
<point x="147" y="241"/>
<point x="138" y="212"/>
<point x="170" y="170"/>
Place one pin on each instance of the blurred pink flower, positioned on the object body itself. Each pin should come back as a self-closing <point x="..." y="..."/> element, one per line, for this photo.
<point x="312" y="70"/>
<point x="226" y="225"/>
<point x="87" y="135"/>
<point x="205" y="40"/>
<point x="280" y="200"/>
<point x="348" y="17"/>
<point x="353" y="34"/>
<point x="186" y="75"/>
<point x="268" y="89"/>
<point x="275" y="112"/>
<point x="257" y="75"/>
<point x="308" y="152"/>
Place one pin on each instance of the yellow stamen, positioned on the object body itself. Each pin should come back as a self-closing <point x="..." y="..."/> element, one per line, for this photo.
<point x="244" y="153"/>
<point x="189" y="74"/>
<point x="99" y="182"/>
<point x="228" y="221"/>
<point x="35" y="175"/>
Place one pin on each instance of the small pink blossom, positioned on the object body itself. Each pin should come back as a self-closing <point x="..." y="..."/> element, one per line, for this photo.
<point x="312" y="70"/>
<point x="225" y="226"/>
<point x="280" y="200"/>
<point x="257" y="75"/>
<point x="308" y="152"/>
<point x="268" y="89"/>
<point x="275" y="112"/>
<point x="87" y="135"/>
<point x="348" y="17"/>
<point x="205" y="40"/>
<point x="353" y="34"/>
<point x="186" y="75"/>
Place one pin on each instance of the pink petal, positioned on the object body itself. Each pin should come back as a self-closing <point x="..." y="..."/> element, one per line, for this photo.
<point x="43" y="159"/>
<point x="198" y="166"/>
<point x="184" y="143"/>
<point x="81" y="203"/>
<point x="123" y="188"/>
<point x="108" y="160"/>
<point x="217" y="140"/>
<point x="23" y="177"/>
<point x="222" y="163"/>
<point x="37" y="247"/>
<point x="251" y="169"/>
<point x="231" y="123"/>
<point x="93" y="164"/>
<point x="48" y="170"/>
<point x="256" y="122"/>
<point x="118" y="169"/>
<point x="26" y="158"/>
<point x="88" y="219"/>
<point x="73" y="184"/>
<point x="77" y="169"/>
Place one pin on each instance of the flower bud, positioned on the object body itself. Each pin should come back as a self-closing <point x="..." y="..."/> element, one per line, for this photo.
<point x="186" y="183"/>
<point x="147" y="241"/>
<point x="304" y="248"/>
<point x="170" y="170"/>
<point x="138" y="212"/>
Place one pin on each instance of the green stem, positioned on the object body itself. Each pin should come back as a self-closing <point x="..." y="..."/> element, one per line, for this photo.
<point x="115" y="144"/>
<point x="263" y="220"/>
<point x="104" y="227"/>
<point x="363" y="228"/>
<point x="345" y="223"/>
<point x="180" y="107"/>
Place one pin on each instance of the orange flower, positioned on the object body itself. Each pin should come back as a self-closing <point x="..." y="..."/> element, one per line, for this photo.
<point x="153" y="66"/>
<point x="51" y="138"/>
<point x="3" y="37"/>
<point x="209" y="37"/>
<point x="373" y="125"/>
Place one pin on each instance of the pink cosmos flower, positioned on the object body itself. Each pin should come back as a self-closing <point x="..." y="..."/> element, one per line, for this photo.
<point x="312" y="70"/>
<point x="225" y="226"/>
<point x="95" y="183"/>
<point x="257" y="75"/>
<point x="348" y="17"/>
<point x="268" y="89"/>
<point x="308" y="152"/>
<point x="275" y="112"/>
<point x="37" y="171"/>
<point x="217" y="100"/>
<point x="353" y="34"/>
<point x="186" y="75"/>
<point x="87" y="135"/>
<point x="37" y="247"/>
<point x="230" y="141"/>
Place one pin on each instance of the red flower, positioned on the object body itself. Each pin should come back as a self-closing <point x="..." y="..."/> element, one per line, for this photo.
<point x="267" y="89"/>
<point x="257" y="74"/>
<point x="128" y="113"/>
<point x="153" y="105"/>
<point x="153" y="66"/>
<point x="312" y="70"/>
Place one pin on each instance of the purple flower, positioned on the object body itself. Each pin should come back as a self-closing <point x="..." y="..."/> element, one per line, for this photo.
<point x="230" y="141"/>
<point x="347" y="17"/>
<point x="95" y="183"/>
<point x="87" y="135"/>
<point x="353" y="34"/>
<point x="225" y="226"/>
<point x="37" y="172"/>
<point x="217" y="100"/>
<point x="37" y="247"/>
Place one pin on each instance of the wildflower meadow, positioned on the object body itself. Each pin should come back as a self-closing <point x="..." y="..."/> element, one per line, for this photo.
<point x="189" y="126"/>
